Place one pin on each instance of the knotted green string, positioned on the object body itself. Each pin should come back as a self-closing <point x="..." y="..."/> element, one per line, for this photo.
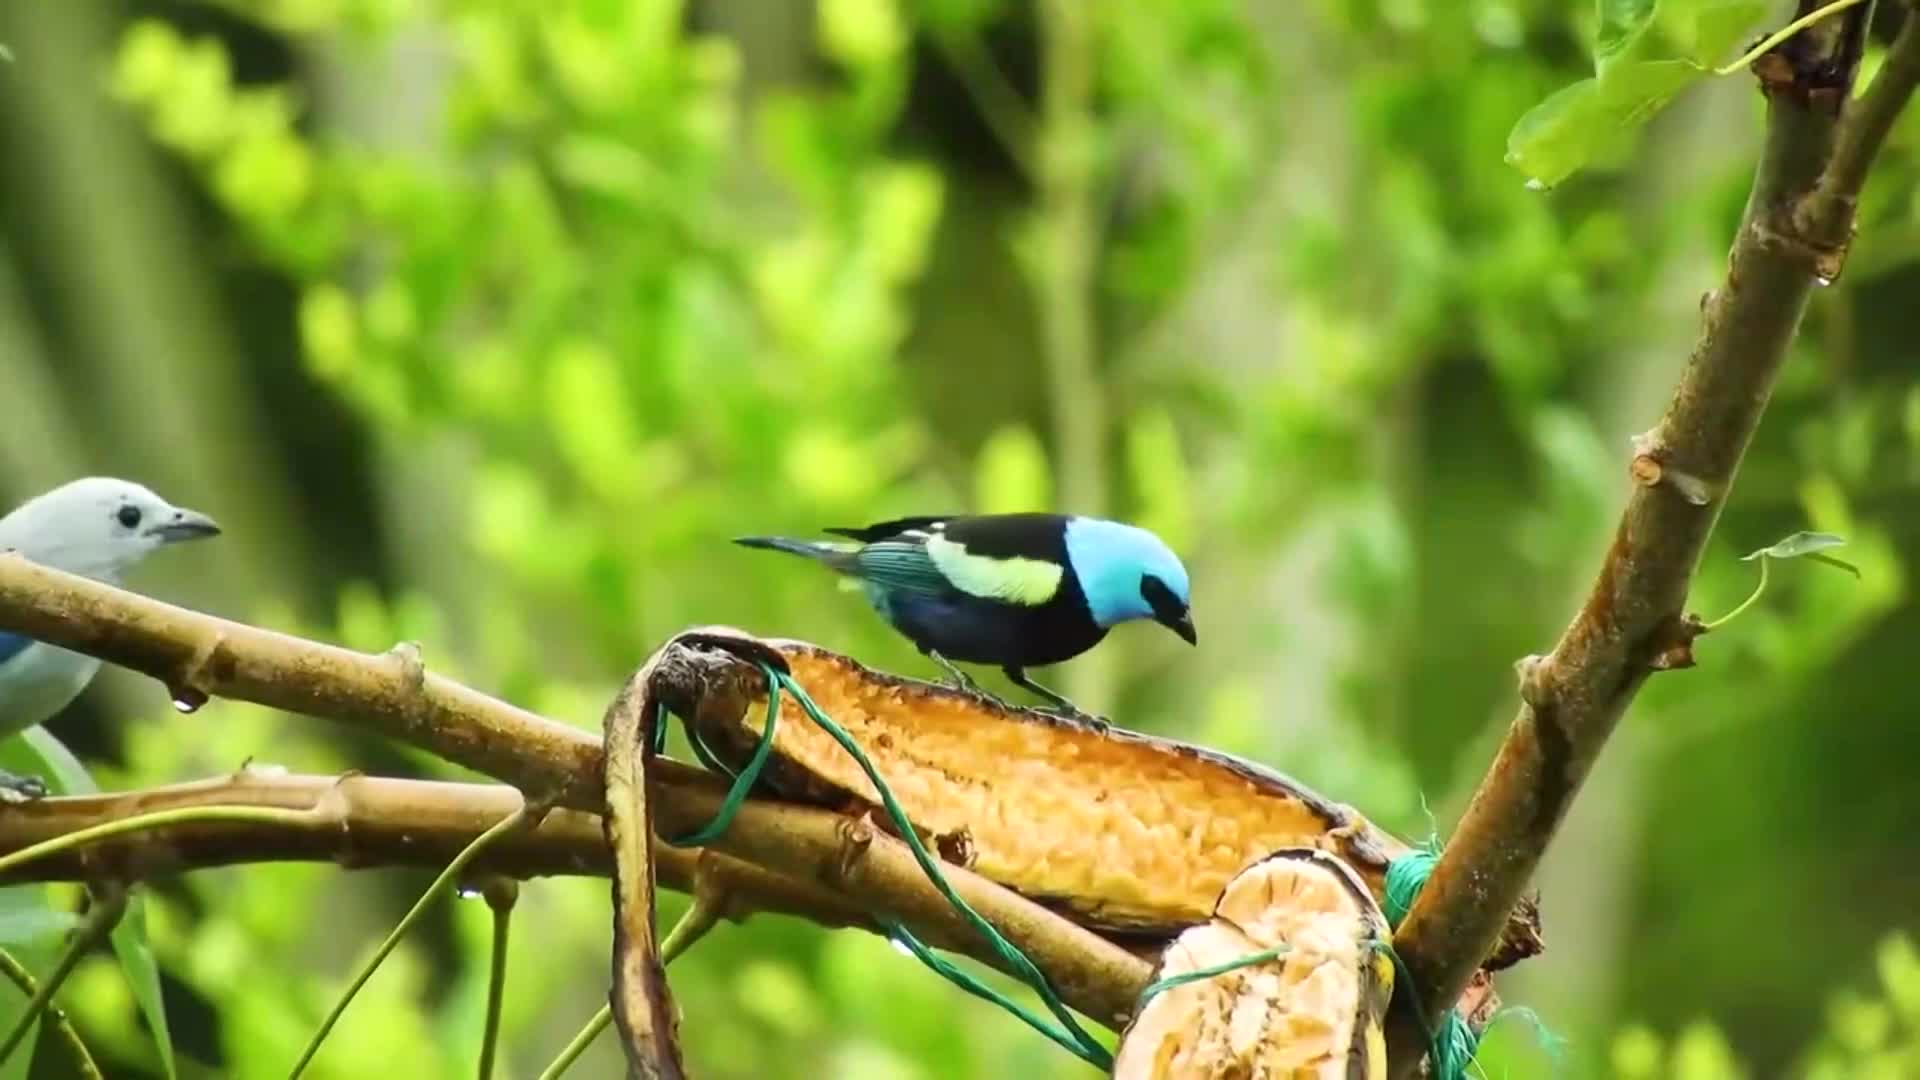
<point x="1451" y="1049"/>
<point x="1159" y="986"/>
<point x="1406" y="876"/>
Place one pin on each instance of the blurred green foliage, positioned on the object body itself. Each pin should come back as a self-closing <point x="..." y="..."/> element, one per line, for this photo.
<point x="487" y="323"/>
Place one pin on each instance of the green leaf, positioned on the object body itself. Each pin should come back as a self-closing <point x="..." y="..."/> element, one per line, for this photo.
<point x="1594" y="117"/>
<point x="1806" y="545"/>
<point x="27" y="919"/>
<point x="51" y="760"/>
<point x="1709" y="29"/>
<point x="1551" y="140"/>
<point x="143" y="975"/>
<point x="1622" y="22"/>
<point x="56" y="764"/>
<point x="1638" y="68"/>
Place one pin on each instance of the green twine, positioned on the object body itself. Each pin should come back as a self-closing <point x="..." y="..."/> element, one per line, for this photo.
<point x="1406" y="876"/>
<point x="966" y="980"/>
<point x="742" y="783"/>
<point x="1067" y="1032"/>
<point x="1160" y="986"/>
<point x="1451" y="1049"/>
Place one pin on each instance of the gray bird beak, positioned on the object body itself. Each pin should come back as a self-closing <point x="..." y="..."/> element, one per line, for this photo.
<point x="1182" y="624"/>
<point x="184" y="525"/>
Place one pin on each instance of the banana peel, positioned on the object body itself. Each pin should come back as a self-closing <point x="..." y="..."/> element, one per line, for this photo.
<point x="1131" y="834"/>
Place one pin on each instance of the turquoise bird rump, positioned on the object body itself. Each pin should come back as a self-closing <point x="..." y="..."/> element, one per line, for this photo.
<point x="1013" y="590"/>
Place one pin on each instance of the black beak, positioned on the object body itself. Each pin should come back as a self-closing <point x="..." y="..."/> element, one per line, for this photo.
<point x="1181" y="624"/>
<point x="184" y="525"/>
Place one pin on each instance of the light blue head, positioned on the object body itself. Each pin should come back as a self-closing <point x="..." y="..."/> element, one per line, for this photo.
<point x="1128" y="573"/>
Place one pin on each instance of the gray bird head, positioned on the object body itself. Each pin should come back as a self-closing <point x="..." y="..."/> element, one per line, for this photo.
<point x="98" y="527"/>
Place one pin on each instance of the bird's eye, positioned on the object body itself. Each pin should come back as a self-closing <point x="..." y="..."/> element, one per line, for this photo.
<point x="1157" y="595"/>
<point x="128" y="517"/>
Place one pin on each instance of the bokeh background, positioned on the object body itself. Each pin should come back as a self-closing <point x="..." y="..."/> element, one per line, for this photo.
<point x="485" y="323"/>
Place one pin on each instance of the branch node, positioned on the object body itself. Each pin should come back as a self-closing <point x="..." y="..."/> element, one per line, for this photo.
<point x="537" y="807"/>
<point x="188" y="688"/>
<point x="1650" y="468"/>
<point x="1534" y="689"/>
<point x="413" y="669"/>
<point x="1672" y="643"/>
<point x="955" y="847"/>
<point x="856" y="836"/>
<point x="1774" y="71"/>
<point x="710" y="885"/>
<point x="1825" y="258"/>
<point x="254" y="770"/>
<point x="500" y="891"/>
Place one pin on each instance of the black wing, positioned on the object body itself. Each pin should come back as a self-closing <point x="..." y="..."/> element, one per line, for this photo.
<point x="885" y="529"/>
<point x="1007" y="536"/>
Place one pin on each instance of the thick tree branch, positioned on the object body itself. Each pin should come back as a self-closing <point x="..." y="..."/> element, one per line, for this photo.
<point x="391" y="694"/>
<point x="365" y="822"/>
<point x="394" y="696"/>
<point x="1791" y="236"/>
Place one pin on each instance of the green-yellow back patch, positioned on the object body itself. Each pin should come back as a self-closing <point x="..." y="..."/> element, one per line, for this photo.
<point x="1030" y="582"/>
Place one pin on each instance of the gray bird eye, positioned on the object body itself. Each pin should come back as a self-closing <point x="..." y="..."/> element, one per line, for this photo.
<point x="128" y="516"/>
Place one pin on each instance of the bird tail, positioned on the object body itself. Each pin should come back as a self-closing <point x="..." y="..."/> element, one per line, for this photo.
<point x="837" y="556"/>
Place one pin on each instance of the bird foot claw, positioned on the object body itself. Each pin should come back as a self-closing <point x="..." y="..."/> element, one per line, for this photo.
<point x="1095" y="721"/>
<point x="16" y="789"/>
<point x="964" y="683"/>
<point x="981" y="694"/>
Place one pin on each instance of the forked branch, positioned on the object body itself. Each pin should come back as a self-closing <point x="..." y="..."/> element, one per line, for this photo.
<point x="1793" y="236"/>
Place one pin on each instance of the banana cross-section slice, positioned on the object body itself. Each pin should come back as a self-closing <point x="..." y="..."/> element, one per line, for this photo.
<point x="1312" y="1013"/>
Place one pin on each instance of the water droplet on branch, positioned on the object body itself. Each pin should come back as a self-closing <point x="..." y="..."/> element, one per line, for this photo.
<point x="186" y="699"/>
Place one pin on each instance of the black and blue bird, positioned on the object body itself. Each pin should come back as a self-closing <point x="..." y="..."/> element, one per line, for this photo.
<point x="1012" y="590"/>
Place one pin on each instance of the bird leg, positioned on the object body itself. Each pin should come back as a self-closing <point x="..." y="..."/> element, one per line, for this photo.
<point x="1061" y="706"/>
<point x="962" y="680"/>
<point x="15" y="788"/>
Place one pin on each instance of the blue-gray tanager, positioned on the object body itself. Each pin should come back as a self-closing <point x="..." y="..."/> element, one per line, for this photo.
<point x="98" y="528"/>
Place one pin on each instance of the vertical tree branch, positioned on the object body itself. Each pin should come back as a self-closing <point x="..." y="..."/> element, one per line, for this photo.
<point x="1791" y="236"/>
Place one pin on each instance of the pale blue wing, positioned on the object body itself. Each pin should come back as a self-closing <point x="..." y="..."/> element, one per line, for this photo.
<point x="12" y="645"/>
